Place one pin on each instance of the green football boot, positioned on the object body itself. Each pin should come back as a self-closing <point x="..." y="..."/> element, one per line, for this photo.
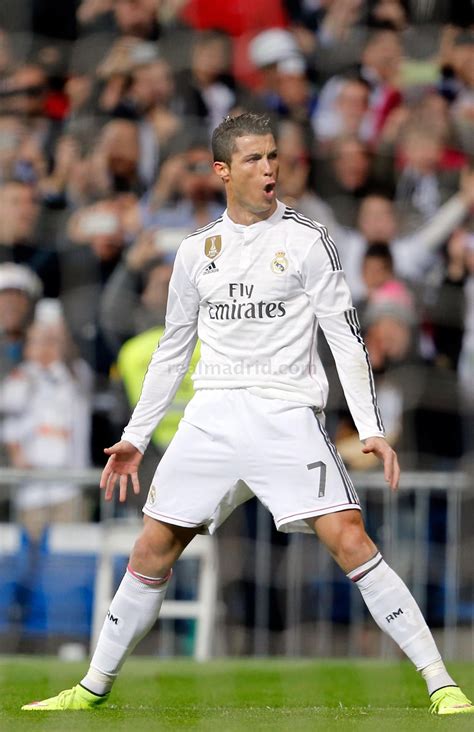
<point x="76" y="698"/>
<point x="450" y="700"/>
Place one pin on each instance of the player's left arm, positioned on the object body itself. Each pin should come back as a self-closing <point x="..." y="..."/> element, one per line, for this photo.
<point x="330" y="298"/>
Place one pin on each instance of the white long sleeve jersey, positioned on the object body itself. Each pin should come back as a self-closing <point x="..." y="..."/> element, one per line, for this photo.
<point x="255" y="296"/>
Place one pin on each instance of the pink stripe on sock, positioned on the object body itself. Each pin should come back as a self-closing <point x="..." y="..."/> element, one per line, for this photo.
<point x="365" y="568"/>
<point x="149" y="580"/>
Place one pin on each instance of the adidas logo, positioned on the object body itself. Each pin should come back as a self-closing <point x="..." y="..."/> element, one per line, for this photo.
<point x="212" y="267"/>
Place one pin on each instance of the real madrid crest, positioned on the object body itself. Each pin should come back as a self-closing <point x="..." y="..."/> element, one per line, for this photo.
<point x="152" y="494"/>
<point x="279" y="263"/>
<point x="213" y="246"/>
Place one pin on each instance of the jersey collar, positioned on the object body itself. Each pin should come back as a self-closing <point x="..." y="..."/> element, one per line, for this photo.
<point x="259" y="225"/>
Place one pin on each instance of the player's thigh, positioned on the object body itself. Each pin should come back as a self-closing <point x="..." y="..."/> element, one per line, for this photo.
<point x="298" y="473"/>
<point x="197" y="471"/>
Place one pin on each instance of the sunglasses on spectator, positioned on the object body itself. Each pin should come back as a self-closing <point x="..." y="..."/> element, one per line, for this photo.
<point x="29" y="91"/>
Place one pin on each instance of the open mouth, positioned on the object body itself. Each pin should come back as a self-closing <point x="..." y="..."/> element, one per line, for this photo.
<point x="269" y="188"/>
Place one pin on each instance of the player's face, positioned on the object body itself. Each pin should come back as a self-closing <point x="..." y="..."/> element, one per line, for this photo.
<point x="252" y="175"/>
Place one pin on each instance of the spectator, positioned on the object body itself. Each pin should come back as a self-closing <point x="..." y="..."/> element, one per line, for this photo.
<point x="380" y="67"/>
<point x="24" y="92"/>
<point x="267" y="50"/>
<point x="141" y="87"/>
<point x="79" y="89"/>
<point x="6" y="56"/>
<point x="379" y="276"/>
<point x="135" y="296"/>
<point x="187" y="194"/>
<point x="448" y="306"/>
<point x="12" y="133"/>
<point x="29" y="163"/>
<point x="462" y="61"/>
<point x="345" y="114"/>
<point x="47" y="402"/>
<point x="116" y="158"/>
<point x="392" y="13"/>
<point x="380" y="62"/>
<point x="413" y="254"/>
<point x="335" y="44"/>
<point x="55" y="188"/>
<point x="153" y="91"/>
<point x="421" y="186"/>
<point x="19" y="211"/>
<point x="207" y="89"/>
<point x="343" y="177"/>
<point x="295" y="172"/>
<point x="90" y="10"/>
<point x="20" y="290"/>
<point x="137" y="18"/>
<point x="295" y="98"/>
<point x="98" y="243"/>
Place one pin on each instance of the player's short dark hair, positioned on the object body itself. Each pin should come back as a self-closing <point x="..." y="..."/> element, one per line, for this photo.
<point x="225" y="134"/>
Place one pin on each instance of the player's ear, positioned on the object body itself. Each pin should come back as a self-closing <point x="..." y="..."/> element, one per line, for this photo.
<point x="222" y="170"/>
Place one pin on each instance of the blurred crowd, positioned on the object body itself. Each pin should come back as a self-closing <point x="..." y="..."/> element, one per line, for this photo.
<point x="106" y="110"/>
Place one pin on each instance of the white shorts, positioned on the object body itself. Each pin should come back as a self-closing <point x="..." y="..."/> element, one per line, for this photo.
<point x="232" y="445"/>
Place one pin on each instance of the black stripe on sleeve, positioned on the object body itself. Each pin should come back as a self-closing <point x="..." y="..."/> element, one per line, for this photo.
<point x="204" y="228"/>
<point x="326" y="240"/>
<point x="353" y="323"/>
<point x="330" y="243"/>
<point x="324" y="234"/>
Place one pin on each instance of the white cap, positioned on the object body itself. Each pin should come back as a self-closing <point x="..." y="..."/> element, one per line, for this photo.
<point x="49" y="311"/>
<point x="272" y="46"/>
<point x="292" y="66"/>
<point x="19" y="277"/>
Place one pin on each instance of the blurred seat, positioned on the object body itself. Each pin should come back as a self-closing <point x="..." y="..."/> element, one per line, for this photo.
<point x="13" y="558"/>
<point x="61" y="587"/>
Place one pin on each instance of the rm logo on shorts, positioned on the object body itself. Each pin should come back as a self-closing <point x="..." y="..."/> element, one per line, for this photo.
<point x="151" y="495"/>
<point x="213" y="246"/>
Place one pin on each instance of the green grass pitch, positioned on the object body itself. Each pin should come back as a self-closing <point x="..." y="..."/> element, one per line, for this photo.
<point x="231" y="695"/>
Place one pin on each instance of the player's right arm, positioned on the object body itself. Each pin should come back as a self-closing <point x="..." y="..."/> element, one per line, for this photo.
<point x="166" y="370"/>
<point x="330" y="299"/>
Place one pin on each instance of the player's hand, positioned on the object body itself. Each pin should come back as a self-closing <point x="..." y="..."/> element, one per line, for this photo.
<point x="123" y="463"/>
<point x="380" y="447"/>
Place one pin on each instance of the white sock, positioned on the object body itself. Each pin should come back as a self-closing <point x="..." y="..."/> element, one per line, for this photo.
<point x="395" y="611"/>
<point x="131" y="614"/>
<point x="436" y="677"/>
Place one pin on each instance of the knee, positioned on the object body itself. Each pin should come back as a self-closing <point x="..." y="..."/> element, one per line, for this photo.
<point x="151" y="555"/>
<point x="353" y="546"/>
<point x="158" y="547"/>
